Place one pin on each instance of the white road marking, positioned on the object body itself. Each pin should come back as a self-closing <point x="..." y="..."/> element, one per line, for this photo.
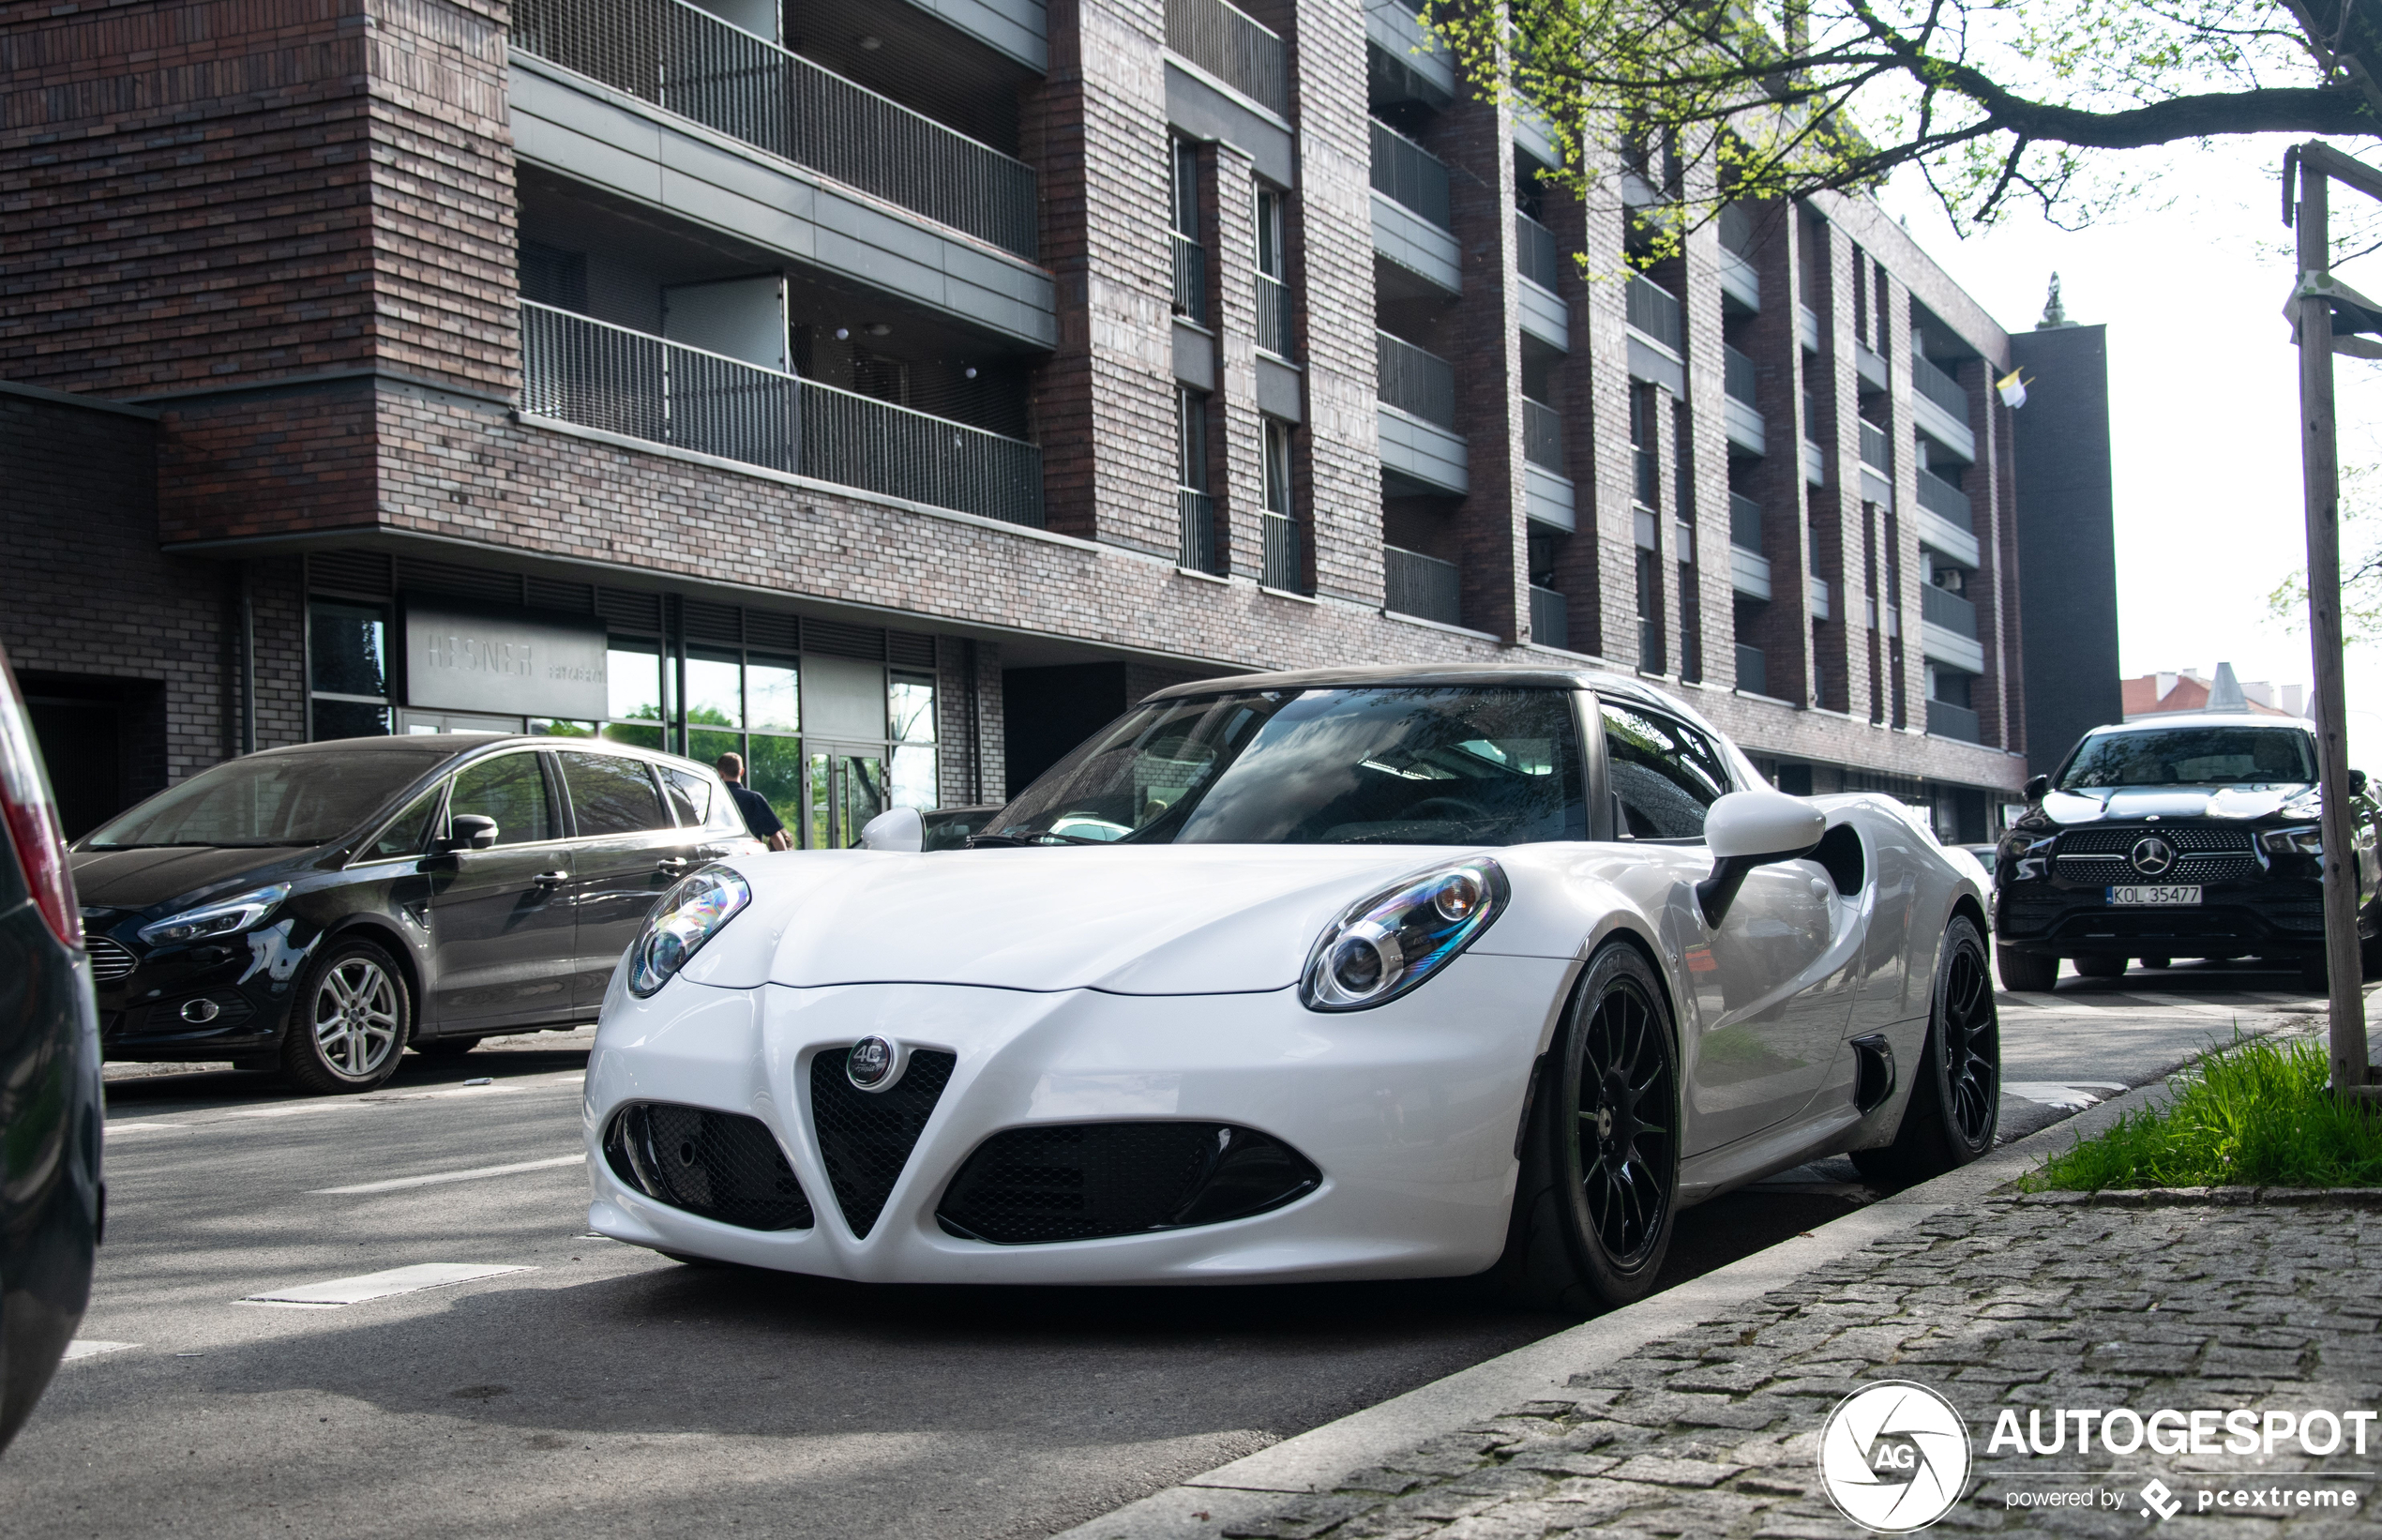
<point x="110" y="1130"/>
<point x="434" y="1178"/>
<point x="2075" y="1098"/>
<point x="396" y="1281"/>
<point x="91" y="1346"/>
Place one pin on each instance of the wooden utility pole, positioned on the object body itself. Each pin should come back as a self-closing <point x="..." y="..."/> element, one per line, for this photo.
<point x="2317" y="166"/>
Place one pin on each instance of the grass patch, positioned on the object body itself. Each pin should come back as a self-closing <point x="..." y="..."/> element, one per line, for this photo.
<point x="2259" y="1113"/>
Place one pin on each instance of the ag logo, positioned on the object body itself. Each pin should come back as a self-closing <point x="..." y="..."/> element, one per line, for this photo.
<point x="2153" y="857"/>
<point x="1893" y="1456"/>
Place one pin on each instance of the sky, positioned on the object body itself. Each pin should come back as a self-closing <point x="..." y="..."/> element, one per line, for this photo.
<point x="2204" y="401"/>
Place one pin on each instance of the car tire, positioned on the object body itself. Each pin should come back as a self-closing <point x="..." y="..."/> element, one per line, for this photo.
<point x="2096" y="965"/>
<point x="2025" y="972"/>
<point x="2315" y="975"/>
<point x="2158" y="964"/>
<point x="444" y="1050"/>
<point x="349" y="1022"/>
<point x="1955" y="1094"/>
<point x="1598" y="1194"/>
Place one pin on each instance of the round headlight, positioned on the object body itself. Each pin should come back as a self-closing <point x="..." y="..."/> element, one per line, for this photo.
<point x="688" y="916"/>
<point x="1361" y="963"/>
<point x="1457" y="896"/>
<point x="1379" y="949"/>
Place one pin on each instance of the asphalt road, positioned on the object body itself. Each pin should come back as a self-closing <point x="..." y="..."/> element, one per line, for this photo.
<point x="605" y="1388"/>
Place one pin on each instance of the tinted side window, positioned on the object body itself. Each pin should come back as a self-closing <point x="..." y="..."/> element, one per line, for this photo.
<point x="1664" y="774"/>
<point x="689" y="795"/>
<point x="510" y="788"/>
<point x="409" y="832"/>
<point x="612" y="796"/>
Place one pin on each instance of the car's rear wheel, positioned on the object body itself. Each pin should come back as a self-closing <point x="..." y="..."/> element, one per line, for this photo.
<point x="350" y="1023"/>
<point x="1600" y="1141"/>
<point x="2158" y="963"/>
<point x="2101" y="965"/>
<point x="2026" y="972"/>
<point x="1955" y="1096"/>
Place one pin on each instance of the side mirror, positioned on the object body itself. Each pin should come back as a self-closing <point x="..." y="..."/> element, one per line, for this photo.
<point x="1749" y="829"/>
<point x="895" y="829"/>
<point x="2037" y="788"/>
<point x="2356" y="784"/>
<point x="469" y="832"/>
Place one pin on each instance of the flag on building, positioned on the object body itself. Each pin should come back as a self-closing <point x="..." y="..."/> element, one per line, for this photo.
<point x="2012" y="389"/>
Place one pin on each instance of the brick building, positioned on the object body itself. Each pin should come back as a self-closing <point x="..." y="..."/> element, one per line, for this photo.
<point x="898" y="389"/>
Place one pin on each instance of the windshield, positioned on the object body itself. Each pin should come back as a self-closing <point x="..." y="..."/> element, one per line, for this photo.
<point x="269" y="799"/>
<point x="2193" y="756"/>
<point x="1420" y="766"/>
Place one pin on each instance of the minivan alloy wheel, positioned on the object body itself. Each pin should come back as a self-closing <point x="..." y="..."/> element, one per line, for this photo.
<point x="356" y="1019"/>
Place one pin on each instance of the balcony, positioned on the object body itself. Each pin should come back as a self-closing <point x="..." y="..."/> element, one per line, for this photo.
<point x="1543" y="314"/>
<point x="1946" y="720"/>
<point x="1418" y="437"/>
<point x="691" y="62"/>
<point x="1233" y="48"/>
<point x="1421" y="586"/>
<point x="1739" y="282"/>
<point x="1934" y="384"/>
<point x="1944" y="608"/>
<point x="1945" y="522"/>
<point x="1190" y="279"/>
<point x="1869" y="364"/>
<point x="1740" y="417"/>
<point x="1752" y="670"/>
<point x="598" y="375"/>
<point x="1816" y="593"/>
<point x="1550" y="618"/>
<point x="1656" y="312"/>
<point x="1283" y="569"/>
<point x="1744" y="522"/>
<point x="1196" y="513"/>
<point x="1542" y="435"/>
<point x="1947" y="629"/>
<point x="1274" y="316"/>
<point x="1748" y="568"/>
<point x="1535" y="251"/>
<point x="1941" y="407"/>
<point x="1411" y="177"/>
<point x="1877" y="466"/>
<point x="1807" y="327"/>
<point x="1417" y="382"/>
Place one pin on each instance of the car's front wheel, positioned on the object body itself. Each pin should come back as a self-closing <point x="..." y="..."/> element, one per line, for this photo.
<point x="348" y="1027"/>
<point x="1955" y="1094"/>
<point x="1593" y="1211"/>
<point x="2025" y="972"/>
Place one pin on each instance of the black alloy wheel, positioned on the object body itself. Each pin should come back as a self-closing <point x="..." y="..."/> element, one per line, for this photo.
<point x="1600" y="1149"/>
<point x="1955" y="1096"/>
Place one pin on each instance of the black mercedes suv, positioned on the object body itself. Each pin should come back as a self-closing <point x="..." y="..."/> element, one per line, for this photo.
<point x="2187" y="836"/>
<point x="315" y="910"/>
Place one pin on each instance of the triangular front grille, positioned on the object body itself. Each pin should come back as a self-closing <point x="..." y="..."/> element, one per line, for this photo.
<point x="866" y="1137"/>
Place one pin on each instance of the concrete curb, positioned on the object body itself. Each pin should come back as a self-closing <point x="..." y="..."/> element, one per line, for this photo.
<point x="2178" y="1197"/>
<point x="1200" y="1508"/>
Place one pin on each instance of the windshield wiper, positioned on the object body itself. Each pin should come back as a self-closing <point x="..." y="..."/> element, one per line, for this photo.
<point x="977" y="841"/>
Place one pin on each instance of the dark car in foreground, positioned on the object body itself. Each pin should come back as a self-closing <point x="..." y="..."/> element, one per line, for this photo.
<point x="2188" y="837"/>
<point x="50" y="1199"/>
<point x="315" y="910"/>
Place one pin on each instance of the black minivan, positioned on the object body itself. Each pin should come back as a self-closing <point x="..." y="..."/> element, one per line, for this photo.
<point x="318" y="909"/>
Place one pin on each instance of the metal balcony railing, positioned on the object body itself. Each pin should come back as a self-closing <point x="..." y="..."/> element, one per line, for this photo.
<point x="1542" y="435"/>
<point x="1744" y="522"/>
<point x="1234" y="48"/>
<point x="1197" y="512"/>
<point x="1946" y="501"/>
<point x="1414" y="381"/>
<point x="1424" y="586"/>
<point x="1411" y="177"/>
<point x="1876" y="449"/>
<point x="641" y="386"/>
<point x="1273" y="315"/>
<point x="1550" y="618"/>
<point x="1655" y="310"/>
<point x="1282" y="567"/>
<point x="1535" y="251"/>
<point x="690" y="62"/>
<point x="1737" y="374"/>
<point x="1190" y="279"/>
<point x="1939" y="386"/>
<point x="1737" y="229"/>
<point x="1752" y="670"/>
<point x="1948" y="609"/>
<point x="1946" y="720"/>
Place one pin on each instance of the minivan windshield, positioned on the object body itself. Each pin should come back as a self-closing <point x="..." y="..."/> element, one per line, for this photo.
<point x="269" y="799"/>
<point x="1404" y="766"/>
<point x="2191" y="756"/>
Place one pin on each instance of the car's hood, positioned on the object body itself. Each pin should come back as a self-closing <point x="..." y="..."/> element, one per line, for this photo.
<point x="2125" y="802"/>
<point x="138" y="878"/>
<point x="1159" y="919"/>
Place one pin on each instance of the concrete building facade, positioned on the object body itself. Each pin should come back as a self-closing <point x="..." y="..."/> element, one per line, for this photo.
<point x="897" y="389"/>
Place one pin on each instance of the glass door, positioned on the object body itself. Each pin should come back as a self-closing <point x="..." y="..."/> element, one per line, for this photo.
<point x="848" y="788"/>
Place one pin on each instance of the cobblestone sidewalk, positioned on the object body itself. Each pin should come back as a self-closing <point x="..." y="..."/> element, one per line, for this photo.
<point x="2185" y="1300"/>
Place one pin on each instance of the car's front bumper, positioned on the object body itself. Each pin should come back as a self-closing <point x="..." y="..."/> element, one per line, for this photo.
<point x="245" y="980"/>
<point x="1411" y="1112"/>
<point x="2272" y="918"/>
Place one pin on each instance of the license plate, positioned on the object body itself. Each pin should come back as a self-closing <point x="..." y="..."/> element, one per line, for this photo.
<point x="2151" y="894"/>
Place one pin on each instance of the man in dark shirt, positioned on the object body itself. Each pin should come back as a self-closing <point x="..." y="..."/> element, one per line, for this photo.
<point x="759" y="816"/>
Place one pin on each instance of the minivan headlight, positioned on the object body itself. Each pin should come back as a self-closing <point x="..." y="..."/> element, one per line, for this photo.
<point x="224" y="917"/>
<point x="688" y="915"/>
<point x="1391" y="942"/>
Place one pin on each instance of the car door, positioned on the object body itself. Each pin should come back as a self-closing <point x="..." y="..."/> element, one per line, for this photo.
<point x="626" y="852"/>
<point x="502" y="930"/>
<point x="1772" y="995"/>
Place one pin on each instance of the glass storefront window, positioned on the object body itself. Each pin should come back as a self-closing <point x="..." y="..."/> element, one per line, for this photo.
<point x="555" y="727"/>
<point x="715" y="694"/>
<point x="349" y="719"/>
<point x="708" y="745"/>
<point x="773" y="696"/>
<point x="634" y="672"/>
<point x="912" y="699"/>
<point x="914" y="777"/>
<point x="772" y="767"/>
<point x="350" y="647"/>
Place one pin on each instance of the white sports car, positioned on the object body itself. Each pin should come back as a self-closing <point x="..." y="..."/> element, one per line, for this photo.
<point x="1357" y="974"/>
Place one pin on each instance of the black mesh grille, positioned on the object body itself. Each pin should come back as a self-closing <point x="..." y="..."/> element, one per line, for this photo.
<point x="722" y="1165"/>
<point x="2118" y="841"/>
<point x="2192" y="867"/>
<point x="1078" y="1182"/>
<point x="866" y="1137"/>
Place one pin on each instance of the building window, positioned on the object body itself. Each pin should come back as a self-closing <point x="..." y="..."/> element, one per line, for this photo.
<point x="1283" y="566"/>
<point x="1273" y="289"/>
<point x="1641" y="443"/>
<point x="1190" y="257"/>
<point x="1649" y="611"/>
<point x="347" y="670"/>
<point x="1193" y="507"/>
